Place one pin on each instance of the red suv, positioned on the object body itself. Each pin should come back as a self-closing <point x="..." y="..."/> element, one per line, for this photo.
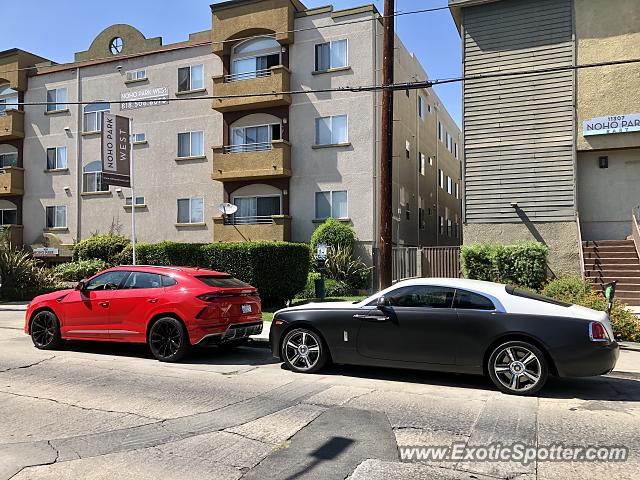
<point x="170" y="308"/>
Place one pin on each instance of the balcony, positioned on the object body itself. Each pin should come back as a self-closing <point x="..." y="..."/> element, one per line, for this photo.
<point x="11" y="125"/>
<point x="15" y="235"/>
<point x="11" y="181"/>
<point x="255" y="161"/>
<point x="274" y="79"/>
<point x="275" y="228"/>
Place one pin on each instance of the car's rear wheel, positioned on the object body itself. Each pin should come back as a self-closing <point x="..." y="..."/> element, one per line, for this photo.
<point x="168" y="340"/>
<point x="303" y="351"/>
<point x="518" y="368"/>
<point x="45" y="331"/>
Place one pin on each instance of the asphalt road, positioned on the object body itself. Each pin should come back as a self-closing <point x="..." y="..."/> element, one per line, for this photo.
<point x="111" y="411"/>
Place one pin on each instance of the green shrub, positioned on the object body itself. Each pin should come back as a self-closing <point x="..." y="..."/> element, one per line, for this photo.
<point x="521" y="264"/>
<point x="103" y="247"/>
<point x="341" y="265"/>
<point x="335" y="233"/>
<point x="76" y="271"/>
<point x="332" y="288"/>
<point x="164" y="253"/>
<point x="21" y="276"/>
<point x="626" y="325"/>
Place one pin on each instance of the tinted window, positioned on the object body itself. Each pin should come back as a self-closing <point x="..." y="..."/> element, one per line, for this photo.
<point x="534" y="296"/>
<point x="168" y="281"/>
<point x="470" y="300"/>
<point x="143" y="280"/>
<point x="221" y="281"/>
<point x="421" y="296"/>
<point x="108" y="280"/>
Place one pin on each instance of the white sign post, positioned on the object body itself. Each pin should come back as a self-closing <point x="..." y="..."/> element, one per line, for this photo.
<point x="133" y="198"/>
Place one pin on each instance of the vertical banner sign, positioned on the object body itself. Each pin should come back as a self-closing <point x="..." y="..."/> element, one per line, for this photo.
<point x="116" y="150"/>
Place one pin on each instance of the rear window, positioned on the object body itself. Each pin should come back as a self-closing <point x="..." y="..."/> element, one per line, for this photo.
<point x="472" y="301"/>
<point x="534" y="296"/>
<point x="220" y="281"/>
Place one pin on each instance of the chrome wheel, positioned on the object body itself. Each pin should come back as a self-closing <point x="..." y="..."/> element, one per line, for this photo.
<point x="302" y="350"/>
<point x="43" y="329"/>
<point x="517" y="368"/>
<point x="168" y="340"/>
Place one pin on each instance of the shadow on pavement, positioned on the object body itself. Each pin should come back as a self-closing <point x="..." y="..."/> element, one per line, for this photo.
<point x="245" y="355"/>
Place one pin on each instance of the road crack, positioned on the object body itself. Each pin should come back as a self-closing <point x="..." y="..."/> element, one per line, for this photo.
<point x="29" y="365"/>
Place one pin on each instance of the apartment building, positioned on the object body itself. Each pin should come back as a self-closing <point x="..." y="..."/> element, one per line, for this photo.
<point x="552" y="156"/>
<point x="286" y="161"/>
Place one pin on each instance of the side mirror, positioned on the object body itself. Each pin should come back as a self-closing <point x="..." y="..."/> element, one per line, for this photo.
<point x="382" y="302"/>
<point x="81" y="286"/>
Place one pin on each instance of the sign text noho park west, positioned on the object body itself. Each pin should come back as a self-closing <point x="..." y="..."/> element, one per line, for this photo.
<point x="612" y="124"/>
<point x="145" y="97"/>
<point x="116" y="150"/>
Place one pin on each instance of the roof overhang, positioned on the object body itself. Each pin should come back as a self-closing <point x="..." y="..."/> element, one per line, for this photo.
<point x="456" y="6"/>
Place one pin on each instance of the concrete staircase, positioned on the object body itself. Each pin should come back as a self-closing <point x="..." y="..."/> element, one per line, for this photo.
<point x="609" y="260"/>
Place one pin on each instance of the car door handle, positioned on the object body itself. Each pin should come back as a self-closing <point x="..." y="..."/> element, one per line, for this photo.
<point x="104" y="304"/>
<point x="378" y="318"/>
<point x="152" y="300"/>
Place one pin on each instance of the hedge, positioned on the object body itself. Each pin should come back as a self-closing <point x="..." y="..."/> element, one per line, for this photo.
<point x="626" y="325"/>
<point x="277" y="269"/>
<point x="76" y="271"/>
<point x="102" y="247"/>
<point x="522" y="264"/>
<point x="335" y="233"/>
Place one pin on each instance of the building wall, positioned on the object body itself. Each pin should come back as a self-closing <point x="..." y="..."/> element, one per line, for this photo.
<point x="158" y="176"/>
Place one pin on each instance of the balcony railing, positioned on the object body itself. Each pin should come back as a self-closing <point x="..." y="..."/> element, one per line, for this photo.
<point x="236" y="77"/>
<point x="248" y="147"/>
<point x="256" y="220"/>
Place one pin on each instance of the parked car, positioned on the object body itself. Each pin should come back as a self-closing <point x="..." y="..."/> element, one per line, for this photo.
<point x="515" y="337"/>
<point x="170" y="308"/>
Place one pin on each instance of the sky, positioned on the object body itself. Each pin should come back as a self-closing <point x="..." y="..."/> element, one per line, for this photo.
<point x="57" y="33"/>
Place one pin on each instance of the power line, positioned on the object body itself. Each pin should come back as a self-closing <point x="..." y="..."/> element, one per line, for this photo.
<point x="415" y="85"/>
<point x="235" y="40"/>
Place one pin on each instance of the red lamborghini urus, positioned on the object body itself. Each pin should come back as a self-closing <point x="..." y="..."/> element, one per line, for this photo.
<point x="170" y="308"/>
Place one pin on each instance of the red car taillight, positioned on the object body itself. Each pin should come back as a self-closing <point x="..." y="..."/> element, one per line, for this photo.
<point x="213" y="296"/>
<point x="597" y="332"/>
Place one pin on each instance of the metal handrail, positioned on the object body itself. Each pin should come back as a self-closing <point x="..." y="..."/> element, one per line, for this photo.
<point x="580" y="248"/>
<point x="249" y="220"/>
<point x="635" y="228"/>
<point x="248" y="147"/>
<point x="235" y="77"/>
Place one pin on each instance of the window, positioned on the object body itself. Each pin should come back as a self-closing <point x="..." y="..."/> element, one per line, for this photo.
<point x="116" y="45"/>
<point x="441" y="225"/>
<point x="93" y="116"/>
<point x="8" y="159"/>
<point x="331" y="130"/>
<point x="429" y="107"/>
<point x="254" y="138"/>
<point x="331" y="55"/>
<point x="455" y="150"/>
<point x="449" y="186"/>
<point x="457" y="190"/>
<point x="472" y="301"/>
<point x="440" y="131"/>
<point x="331" y="204"/>
<point x="421" y="296"/>
<point x="449" y="143"/>
<point x="534" y="296"/>
<point x="191" y="210"/>
<point x="407" y="148"/>
<point x="421" y="107"/>
<point x="8" y="97"/>
<point x="449" y="228"/>
<point x="431" y="161"/>
<point x="9" y="216"/>
<point x="257" y="209"/>
<point x="407" y="211"/>
<point x="56" y="216"/>
<point x="56" y="158"/>
<point x="254" y="58"/>
<point x="222" y="281"/>
<point x="421" y="220"/>
<point x="92" y="178"/>
<point x="190" y="144"/>
<point x="168" y="281"/>
<point x="136" y="75"/>
<point x="56" y="99"/>
<point x="440" y="178"/>
<point x="422" y="164"/>
<point x="138" y="280"/>
<point x="107" y="281"/>
<point x="139" y="138"/>
<point x="191" y="78"/>
<point x="139" y="201"/>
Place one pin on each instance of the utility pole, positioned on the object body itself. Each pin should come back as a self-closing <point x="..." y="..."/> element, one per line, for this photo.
<point x="386" y="150"/>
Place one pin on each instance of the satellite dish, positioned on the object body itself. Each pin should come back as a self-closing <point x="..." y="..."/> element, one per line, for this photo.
<point x="227" y="208"/>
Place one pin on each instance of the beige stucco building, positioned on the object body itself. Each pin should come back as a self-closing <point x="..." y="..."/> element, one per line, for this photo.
<point x="540" y="162"/>
<point x="287" y="161"/>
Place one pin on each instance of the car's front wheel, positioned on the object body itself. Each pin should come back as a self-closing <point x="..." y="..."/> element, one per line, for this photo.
<point x="45" y="331"/>
<point x="518" y="368"/>
<point x="168" y="340"/>
<point x="303" y="351"/>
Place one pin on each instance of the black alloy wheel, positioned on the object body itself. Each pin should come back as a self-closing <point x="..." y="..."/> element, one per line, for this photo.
<point x="168" y="340"/>
<point x="45" y="331"/>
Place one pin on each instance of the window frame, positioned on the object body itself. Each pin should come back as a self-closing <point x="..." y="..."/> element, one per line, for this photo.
<point x="190" y="78"/>
<point x="2" y="214"/>
<point x="127" y="201"/>
<point x="57" y="165"/>
<point x="98" y="116"/>
<point x="191" y="220"/>
<point x="59" y="105"/>
<point x="191" y="154"/>
<point x="13" y="155"/>
<point x="97" y="174"/>
<point x="330" y="44"/>
<point x="333" y="142"/>
<point x="133" y="75"/>
<point x="136" y="141"/>
<point x="455" y="300"/>
<point x="422" y="164"/>
<point x="331" y="194"/>
<point x="63" y="208"/>
<point x="421" y="104"/>
<point x="256" y="197"/>
<point x="407" y="287"/>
